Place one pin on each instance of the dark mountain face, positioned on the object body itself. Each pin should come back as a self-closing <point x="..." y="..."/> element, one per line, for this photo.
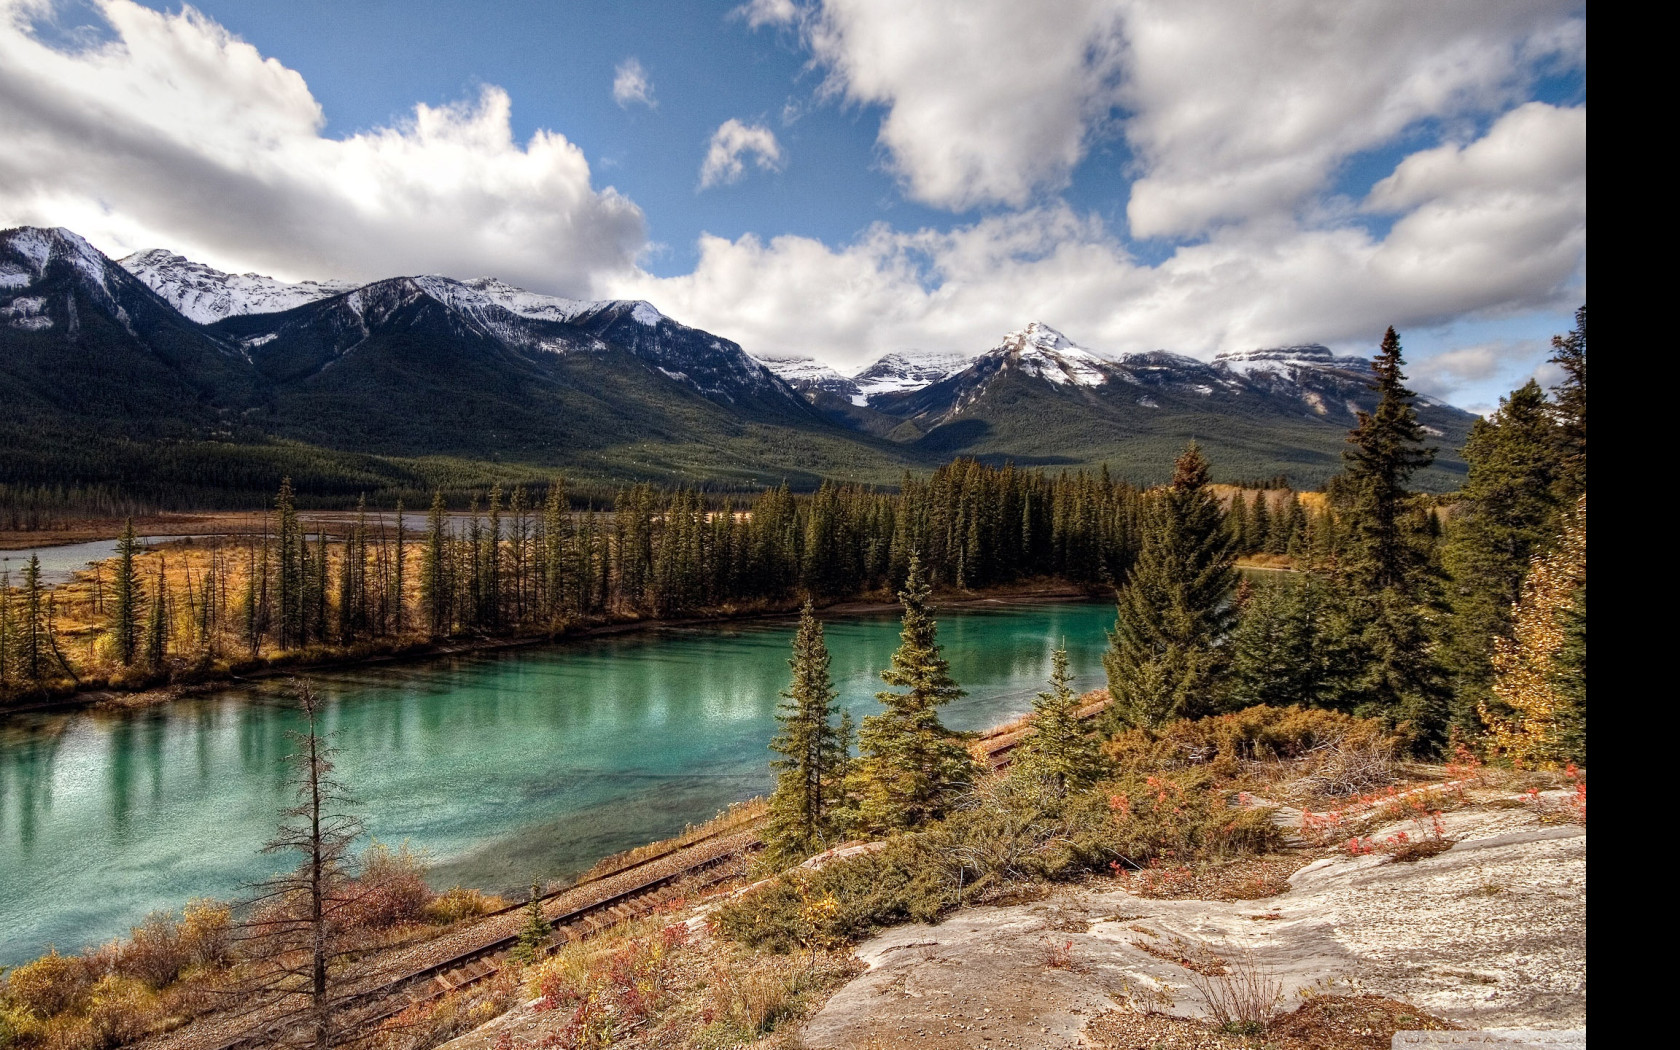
<point x="82" y="338"/>
<point x="1038" y="398"/>
<point x="428" y="366"/>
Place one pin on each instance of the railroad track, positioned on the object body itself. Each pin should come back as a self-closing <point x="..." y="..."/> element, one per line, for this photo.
<point x="370" y="1006"/>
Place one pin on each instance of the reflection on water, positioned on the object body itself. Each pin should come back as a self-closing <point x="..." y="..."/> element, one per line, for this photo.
<point x="502" y="767"/>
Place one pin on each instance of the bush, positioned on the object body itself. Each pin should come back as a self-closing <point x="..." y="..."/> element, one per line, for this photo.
<point x="1223" y="743"/>
<point x="50" y="985"/>
<point x="391" y="888"/>
<point x="458" y="903"/>
<point x="1008" y="834"/>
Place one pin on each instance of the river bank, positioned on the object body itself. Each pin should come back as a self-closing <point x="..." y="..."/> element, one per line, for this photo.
<point x="198" y="683"/>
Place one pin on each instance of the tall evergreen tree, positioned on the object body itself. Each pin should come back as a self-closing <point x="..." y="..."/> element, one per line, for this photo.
<point x="1386" y="449"/>
<point x="399" y="579"/>
<point x="910" y="767"/>
<point x="1058" y="748"/>
<point x="1384" y="561"/>
<point x="1166" y="652"/>
<point x="814" y="746"/>
<point x="291" y="579"/>
<point x="8" y="662"/>
<point x="435" y="595"/>
<point x="33" y="639"/>
<point x="1508" y="510"/>
<point x="1289" y="647"/>
<point x="157" y="622"/>
<point x="1569" y="352"/>
<point x="127" y="601"/>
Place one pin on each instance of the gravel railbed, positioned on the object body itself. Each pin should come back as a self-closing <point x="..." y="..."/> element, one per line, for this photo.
<point x="387" y="965"/>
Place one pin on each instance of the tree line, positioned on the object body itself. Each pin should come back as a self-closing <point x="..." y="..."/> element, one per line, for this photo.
<point x="1475" y="632"/>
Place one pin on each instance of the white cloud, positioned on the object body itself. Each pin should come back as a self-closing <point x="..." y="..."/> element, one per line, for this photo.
<point x="631" y="84"/>
<point x="174" y="133"/>
<point x="731" y="142"/>
<point x="1516" y="243"/>
<point x="987" y="100"/>
<point x="759" y="13"/>
<point x="1231" y="111"/>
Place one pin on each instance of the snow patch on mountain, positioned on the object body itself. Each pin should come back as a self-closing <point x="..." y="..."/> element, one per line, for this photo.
<point x="1281" y="358"/>
<point x="206" y="295"/>
<point x="907" y="370"/>
<point x="38" y="247"/>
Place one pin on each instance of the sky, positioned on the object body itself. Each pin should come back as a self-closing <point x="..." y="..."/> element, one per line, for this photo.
<point x="844" y="178"/>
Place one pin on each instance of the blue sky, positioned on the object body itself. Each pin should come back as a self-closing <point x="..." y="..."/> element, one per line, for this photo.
<point x="936" y="175"/>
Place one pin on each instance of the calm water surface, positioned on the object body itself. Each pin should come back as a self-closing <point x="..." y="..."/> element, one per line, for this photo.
<point x="501" y="767"/>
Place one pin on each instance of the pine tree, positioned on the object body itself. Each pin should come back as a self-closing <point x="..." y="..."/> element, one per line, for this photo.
<point x="1058" y="748"/>
<point x="34" y="640"/>
<point x="1570" y="400"/>
<point x="127" y="602"/>
<point x="156" y="647"/>
<point x="1508" y="510"/>
<point x="399" y="564"/>
<point x="1166" y="652"/>
<point x="1259" y="524"/>
<point x="1289" y="647"/>
<point x="810" y="775"/>
<point x="910" y="767"/>
<point x="534" y="935"/>
<point x="291" y="581"/>
<point x="1237" y="522"/>
<point x="1384" y="562"/>
<point x="435" y="595"/>
<point x="1386" y="449"/>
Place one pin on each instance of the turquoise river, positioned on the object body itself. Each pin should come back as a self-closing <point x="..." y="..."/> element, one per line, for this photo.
<point x="502" y="767"/>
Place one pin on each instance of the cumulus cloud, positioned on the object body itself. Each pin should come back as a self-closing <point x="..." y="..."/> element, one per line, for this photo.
<point x="733" y="141"/>
<point x="631" y="84"/>
<point x="174" y="133"/>
<point x="759" y="13"/>
<point x="1513" y="240"/>
<point x="986" y="100"/>
<point x="1230" y="111"/>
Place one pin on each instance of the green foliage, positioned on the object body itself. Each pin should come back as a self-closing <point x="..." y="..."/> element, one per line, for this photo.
<point x="1508" y="511"/>
<point x="534" y="935"/>
<point x="1006" y="834"/>
<point x="815" y="748"/>
<point x="910" y="767"/>
<point x="1165" y="654"/>
<point x="127" y="601"/>
<point x="1220" y="744"/>
<point x="1569" y="352"/>
<point x="1291" y="645"/>
<point x="1058" y="748"/>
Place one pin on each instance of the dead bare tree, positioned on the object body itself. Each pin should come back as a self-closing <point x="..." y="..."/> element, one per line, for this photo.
<point x="295" y="930"/>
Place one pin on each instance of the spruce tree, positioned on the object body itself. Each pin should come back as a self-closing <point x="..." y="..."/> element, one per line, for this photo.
<point x="156" y="646"/>
<point x="814" y="749"/>
<point x="1058" y="749"/>
<point x="127" y="602"/>
<point x="399" y="560"/>
<point x="1508" y="510"/>
<point x="910" y="767"/>
<point x="291" y="580"/>
<point x="33" y="642"/>
<point x="1289" y="647"/>
<point x="1384" y="562"/>
<point x="1381" y="550"/>
<point x="1166" y="652"/>
<point x="534" y="935"/>
<point x="1259" y="524"/>
<point x="434" y="570"/>
<point x="1237" y="522"/>
<point x="1569" y="352"/>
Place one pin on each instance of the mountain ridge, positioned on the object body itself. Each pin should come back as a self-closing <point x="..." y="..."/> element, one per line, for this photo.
<point x="428" y="366"/>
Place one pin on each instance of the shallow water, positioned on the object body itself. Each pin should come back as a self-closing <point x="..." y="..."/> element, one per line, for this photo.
<point x="502" y="767"/>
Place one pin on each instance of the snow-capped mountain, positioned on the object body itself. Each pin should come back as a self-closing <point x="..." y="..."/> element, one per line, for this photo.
<point x="206" y="295"/>
<point x="906" y="370"/>
<point x="807" y="374"/>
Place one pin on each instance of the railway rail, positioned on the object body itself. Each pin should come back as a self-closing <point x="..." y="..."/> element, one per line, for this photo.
<point x="386" y="999"/>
